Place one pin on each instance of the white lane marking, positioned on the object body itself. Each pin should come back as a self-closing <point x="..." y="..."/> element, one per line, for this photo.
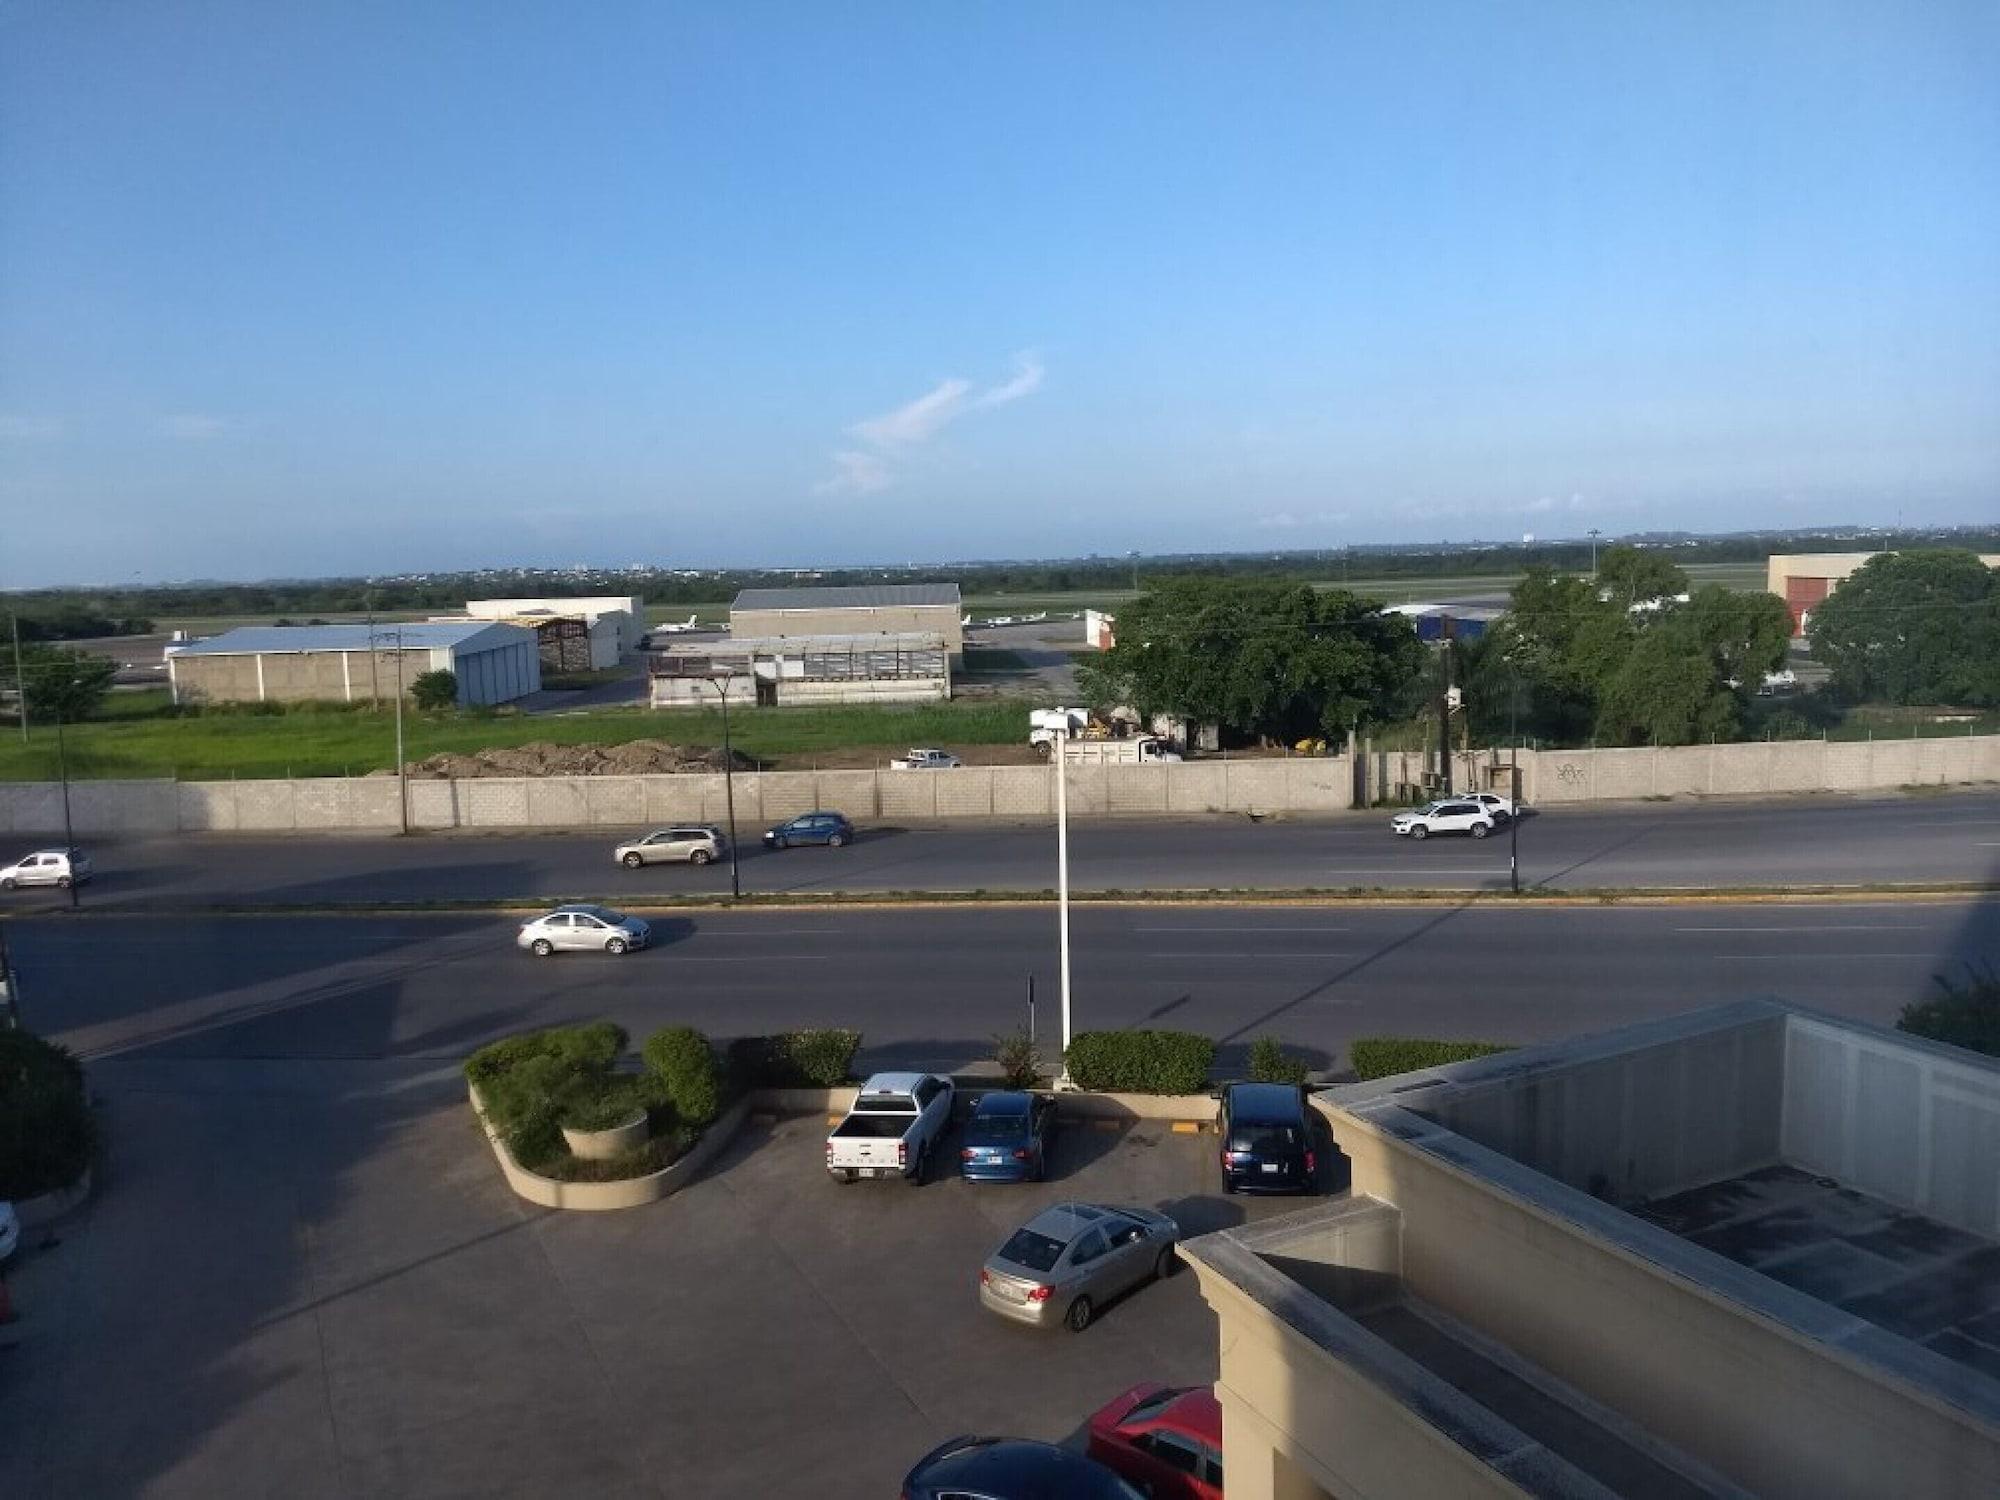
<point x="1223" y="953"/>
<point x="1492" y="869"/>
<point x="1830" y="927"/>
<point x="1252" y="930"/>
<point x="1730" y="958"/>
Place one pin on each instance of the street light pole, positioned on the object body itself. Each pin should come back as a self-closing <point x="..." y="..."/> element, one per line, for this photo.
<point x="1063" y="883"/>
<point x="1514" y="787"/>
<point x="1594" y="535"/>
<point x="69" y="834"/>
<point x="721" y="686"/>
<point x="402" y="768"/>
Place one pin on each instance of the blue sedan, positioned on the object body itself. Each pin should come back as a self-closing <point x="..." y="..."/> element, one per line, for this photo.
<point x="829" y="828"/>
<point x="1007" y="1138"/>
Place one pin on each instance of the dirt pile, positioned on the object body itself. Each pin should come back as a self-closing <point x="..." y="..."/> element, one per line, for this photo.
<point x="543" y="758"/>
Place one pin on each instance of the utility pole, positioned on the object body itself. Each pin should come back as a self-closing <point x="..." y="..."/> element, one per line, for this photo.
<point x="1514" y="785"/>
<point x="1594" y="535"/>
<point x="20" y="679"/>
<point x="10" y="987"/>
<point x="721" y="685"/>
<point x="1444" y="709"/>
<point x="1061" y="762"/>
<point x="69" y="834"/>
<point x="402" y="767"/>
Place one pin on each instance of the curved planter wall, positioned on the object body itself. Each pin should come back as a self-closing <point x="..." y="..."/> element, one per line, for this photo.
<point x="599" y="1197"/>
<point x="35" y="1212"/>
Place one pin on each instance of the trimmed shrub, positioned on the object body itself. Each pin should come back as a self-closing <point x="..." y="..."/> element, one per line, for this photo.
<point x="534" y="1084"/>
<point x="1386" y="1056"/>
<point x="1271" y="1063"/>
<point x="1966" y="1015"/>
<point x="599" y="1102"/>
<point x="594" y="1046"/>
<point x="47" y="1133"/>
<point x="680" y="1058"/>
<point x="435" y="690"/>
<point x="793" y="1059"/>
<point x="1019" y="1058"/>
<point x="1140" y="1062"/>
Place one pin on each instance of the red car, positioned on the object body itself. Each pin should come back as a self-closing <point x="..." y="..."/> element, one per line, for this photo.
<point x="1165" y="1439"/>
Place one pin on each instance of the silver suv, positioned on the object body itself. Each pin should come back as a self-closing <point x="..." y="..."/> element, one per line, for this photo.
<point x="694" y="843"/>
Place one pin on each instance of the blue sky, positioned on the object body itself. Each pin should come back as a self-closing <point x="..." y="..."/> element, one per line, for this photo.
<point x="370" y="287"/>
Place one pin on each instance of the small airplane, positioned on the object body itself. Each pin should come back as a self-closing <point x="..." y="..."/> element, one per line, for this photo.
<point x="680" y="627"/>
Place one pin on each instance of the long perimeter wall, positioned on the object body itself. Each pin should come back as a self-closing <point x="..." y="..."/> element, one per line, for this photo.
<point x="1302" y="785"/>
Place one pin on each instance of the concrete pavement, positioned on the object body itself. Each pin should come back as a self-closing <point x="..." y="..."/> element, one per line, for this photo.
<point x="1834" y="841"/>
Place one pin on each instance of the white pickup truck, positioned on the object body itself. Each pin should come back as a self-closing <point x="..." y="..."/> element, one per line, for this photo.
<point x="893" y="1129"/>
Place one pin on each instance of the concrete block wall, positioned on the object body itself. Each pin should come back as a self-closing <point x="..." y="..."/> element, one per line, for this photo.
<point x="1913" y="1125"/>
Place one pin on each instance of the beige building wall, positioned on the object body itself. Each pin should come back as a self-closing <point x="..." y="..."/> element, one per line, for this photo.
<point x="936" y="619"/>
<point x="296" y="677"/>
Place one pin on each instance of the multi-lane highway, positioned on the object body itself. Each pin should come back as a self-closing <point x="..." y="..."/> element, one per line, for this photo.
<point x="1832" y="841"/>
<point x="931" y="985"/>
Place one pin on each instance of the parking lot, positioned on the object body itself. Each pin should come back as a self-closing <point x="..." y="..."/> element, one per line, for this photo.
<point x="357" y="1306"/>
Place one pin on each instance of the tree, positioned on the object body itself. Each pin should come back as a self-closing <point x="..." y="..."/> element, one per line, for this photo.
<point x="58" y="682"/>
<point x="1633" y="575"/>
<point x="1745" y="635"/>
<point x="1966" y="1015"/>
<point x="1921" y="626"/>
<point x="435" y="689"/>
<point x="1282" y="661"/>
<point x="1667" y="691"/>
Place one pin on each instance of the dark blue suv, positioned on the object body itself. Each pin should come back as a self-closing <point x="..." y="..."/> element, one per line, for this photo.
<point x="829" y="828"/>
<point x="1007" y="1138"/>
<point x="1266" y="1140"/>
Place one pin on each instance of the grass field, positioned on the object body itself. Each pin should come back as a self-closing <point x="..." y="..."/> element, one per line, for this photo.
<point x="136" y="736"/>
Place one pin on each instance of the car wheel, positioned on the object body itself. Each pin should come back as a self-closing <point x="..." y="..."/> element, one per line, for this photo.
<point x="1166" y="1265"/>
<point x="541" y="947"/>
<point x="845" y="1179"/>
<point x="700" y="857"/>
<point x="634" y="860"/>
<point x="1229" y="1185"/>
<point x="836" y="840"/>
<point x="62" y="882"/>
<point x="1420" y="832"/>
<point x="614" y="946"/>
<point x="779" y="842"/>
<point x="915" y="1176"/>
<point x="1078" y="1317"/>
<point x="1480" y="830"/>
<point x="7" y="884"/>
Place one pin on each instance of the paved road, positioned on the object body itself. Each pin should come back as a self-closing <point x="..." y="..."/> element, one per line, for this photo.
<point x="931" y="986"/>
<point x="1833" y="841"/>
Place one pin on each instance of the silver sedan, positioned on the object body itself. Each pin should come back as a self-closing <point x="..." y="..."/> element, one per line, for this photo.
<point x="595" y="929"/>
<point x="1071" y="1259"/>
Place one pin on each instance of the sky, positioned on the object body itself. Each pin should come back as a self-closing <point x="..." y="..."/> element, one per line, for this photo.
<point x="357" y="287"/>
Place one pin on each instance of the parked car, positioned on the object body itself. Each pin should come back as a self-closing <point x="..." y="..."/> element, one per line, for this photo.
<point x="696" y="843"/>
<point x="893" y="1128"/>
<point x="1457" y="815"/>
<point x="1266" y="1139"/>
<point x="591" y="928"/>
<point x="1166" y="1439"/>
<point x="996" y="1468"/>
<point x="1007" y="1138"/>
<point x="829" y="828"/>
<point x="58" y="867"/>
<point x="926" y="760"/>
<point x="1072" y="1258"/>
<point x="10" y="1232"/>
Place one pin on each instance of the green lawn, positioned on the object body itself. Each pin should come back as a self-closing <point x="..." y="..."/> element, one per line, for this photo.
<point x="142" y="740"/>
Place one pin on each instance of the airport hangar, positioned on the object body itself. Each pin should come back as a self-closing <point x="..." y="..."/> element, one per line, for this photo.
<point x="494" y="662"/>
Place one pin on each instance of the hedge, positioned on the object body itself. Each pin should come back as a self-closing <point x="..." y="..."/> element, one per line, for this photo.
<point x="1966" y="1015"/>
<point x="1385" y="1056"/>
<point x="793" y="1060"/>
<point x="683" y="1062"/>
<point x="47" y="1133"/>
<point x="1140" y="1062"/>
<point x="1271" y="1063"/>
<point x="534" y="1084"/>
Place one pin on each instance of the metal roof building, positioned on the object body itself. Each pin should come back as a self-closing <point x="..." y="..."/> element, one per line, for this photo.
<point x="494" y="663"/>
<point x="871" y="609"/>
<point x="896" y="667"/>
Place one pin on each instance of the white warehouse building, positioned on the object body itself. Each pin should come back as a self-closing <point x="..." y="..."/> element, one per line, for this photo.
<point x="617" y="622"/>
<point x="494" y="663"/>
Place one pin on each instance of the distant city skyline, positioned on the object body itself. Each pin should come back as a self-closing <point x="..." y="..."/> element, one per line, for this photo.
<point x="343" y="290"/>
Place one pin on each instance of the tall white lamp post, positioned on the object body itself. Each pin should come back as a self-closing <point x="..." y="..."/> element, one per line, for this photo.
<point x="1061" y="762"/>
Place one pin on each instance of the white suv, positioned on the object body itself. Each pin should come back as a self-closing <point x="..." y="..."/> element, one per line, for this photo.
<point x="47" y="867"/>
<point x="1453" y="815"/>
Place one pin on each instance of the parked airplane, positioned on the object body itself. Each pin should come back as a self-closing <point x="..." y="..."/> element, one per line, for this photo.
<point x="677" y="627"/>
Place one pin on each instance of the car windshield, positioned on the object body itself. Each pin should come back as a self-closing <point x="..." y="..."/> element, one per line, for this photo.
<point x="1035" y="1251"/>
<point x="1147" y="1405"/>
<point x="986" y="1129"/>
<point x="1264" y="1138"/>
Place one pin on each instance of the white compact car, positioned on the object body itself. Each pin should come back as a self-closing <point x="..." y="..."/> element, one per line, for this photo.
<point x="594" y="929"/>
<point x="1454" y="815"/>
<point x="57" y="867"/>
<point x="1499" y="807"/>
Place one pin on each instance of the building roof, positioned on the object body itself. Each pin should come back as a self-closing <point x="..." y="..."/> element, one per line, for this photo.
<point x="268" y="640"/>
<point x="868" y="596"/>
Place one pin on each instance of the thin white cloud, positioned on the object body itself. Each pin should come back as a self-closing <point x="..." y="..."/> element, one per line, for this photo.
<point x="1027" y="380"/>
<point x="896" y="434"/>
<point x="918" y="421"/>
<point x="192" y="427"/>
<point x="20" y="427"/>
<point x="1285" y="520"/>
<point x="856" y="473"/>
